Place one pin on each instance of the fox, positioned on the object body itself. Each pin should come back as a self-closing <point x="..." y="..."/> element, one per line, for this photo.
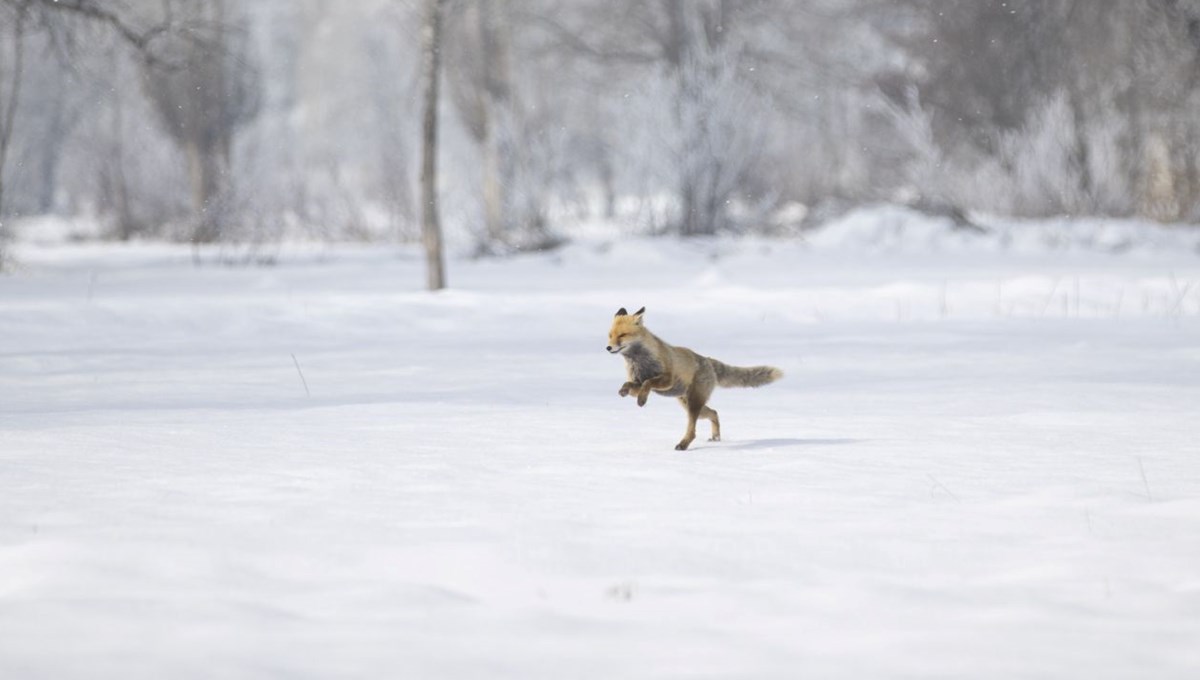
<point x="652" y="365"/>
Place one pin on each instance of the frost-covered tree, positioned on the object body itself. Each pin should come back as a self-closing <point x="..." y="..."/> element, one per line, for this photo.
<point x="1070" y="105"/>
<point x="682" y="116"/>
<point x="687" y="134"/>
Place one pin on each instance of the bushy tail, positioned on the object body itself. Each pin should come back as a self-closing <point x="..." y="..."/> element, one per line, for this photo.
<point x="736" y="376"/>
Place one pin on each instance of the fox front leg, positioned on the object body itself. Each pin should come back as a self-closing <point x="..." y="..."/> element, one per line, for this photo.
<point x="639" y="389"/>
<point x="658" y="382"/>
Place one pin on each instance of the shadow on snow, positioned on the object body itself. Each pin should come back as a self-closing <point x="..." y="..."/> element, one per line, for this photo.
<point x="778" y="443"/>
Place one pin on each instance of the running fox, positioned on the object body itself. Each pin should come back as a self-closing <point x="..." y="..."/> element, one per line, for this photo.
<point x="676" y="372"/>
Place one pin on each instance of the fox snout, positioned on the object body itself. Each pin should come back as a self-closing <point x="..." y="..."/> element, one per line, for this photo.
<point x="612" y="350"/>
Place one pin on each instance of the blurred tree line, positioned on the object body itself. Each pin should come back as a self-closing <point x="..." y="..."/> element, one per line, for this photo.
<point x="242" y="121"/>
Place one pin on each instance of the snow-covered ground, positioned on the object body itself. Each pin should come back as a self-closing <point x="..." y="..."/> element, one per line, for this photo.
<point x="982" y="463"/>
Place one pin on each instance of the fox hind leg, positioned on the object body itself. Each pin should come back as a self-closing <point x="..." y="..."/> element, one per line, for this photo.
<point x="711" y="415"/>
<point x="691" y="430"/>
<point x="696" y="409"/>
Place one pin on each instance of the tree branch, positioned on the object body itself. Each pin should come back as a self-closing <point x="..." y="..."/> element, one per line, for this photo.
<point x="571" y="39"/>
<point x="90" y="10"/>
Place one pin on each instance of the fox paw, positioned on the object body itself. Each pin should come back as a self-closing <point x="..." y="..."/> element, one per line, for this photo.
<point x="682" y="446"/>
<point x="641" y="400"/>
<point x="715" y="438"/>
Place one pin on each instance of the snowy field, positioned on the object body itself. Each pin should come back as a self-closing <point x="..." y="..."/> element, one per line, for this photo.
<point x="983" y="462"/>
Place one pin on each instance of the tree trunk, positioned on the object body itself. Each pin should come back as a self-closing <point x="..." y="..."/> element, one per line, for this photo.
<point x="493" y="185"/>
<point x="8" y="109"/>
<point x="206" y="174"/>
<point x="678" y="41"/>
<point x="689" y="221"/>
<point x="684" y="47"/>
<point x="51" y="151"/>
<point x="1189" y="177"/>
<point x="431" y="230"/>
<point x="119" y="184"/>
<point x="676" y="51"/>
<point x="1158" y="199"/>
<point x="498" y="166"/>
<point x="1080" y="151"/>
<point x="609" y="181"/>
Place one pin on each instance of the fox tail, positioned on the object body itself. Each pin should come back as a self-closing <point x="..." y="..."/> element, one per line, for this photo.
<point x="737" y="376"/>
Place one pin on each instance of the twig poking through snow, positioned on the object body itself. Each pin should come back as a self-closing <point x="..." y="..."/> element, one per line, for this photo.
<point x="1145" y="483"/>
<point x="1050" y="297"/>
<point x="302" y="380"/>
<point x="1176" y="308"/>
<point x="939" y="485"/>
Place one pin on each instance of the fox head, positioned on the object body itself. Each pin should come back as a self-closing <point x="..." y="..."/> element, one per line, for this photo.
<point x="626" y="330"/>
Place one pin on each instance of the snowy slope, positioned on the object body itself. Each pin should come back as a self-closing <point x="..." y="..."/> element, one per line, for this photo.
<point x="981" y="464"/>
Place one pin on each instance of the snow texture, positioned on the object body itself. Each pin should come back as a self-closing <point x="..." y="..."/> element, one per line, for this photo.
<point x="980" y="464"/>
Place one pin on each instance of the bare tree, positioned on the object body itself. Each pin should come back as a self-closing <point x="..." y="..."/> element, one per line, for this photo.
<point x="60" y="19"/>
<point x="202" y="101"/>
<point x="63" y="27"/>
<point x="495" y="82"/>
<point x="481" y="87"/>
<point x="431" y="229"/>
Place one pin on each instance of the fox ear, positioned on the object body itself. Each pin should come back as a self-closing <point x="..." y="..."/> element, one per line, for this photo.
<point x="621" y="312"/>
<point x="637" y="316"/>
